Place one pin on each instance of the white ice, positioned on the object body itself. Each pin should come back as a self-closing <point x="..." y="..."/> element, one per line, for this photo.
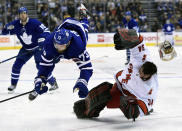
<point x="54" y="111"/>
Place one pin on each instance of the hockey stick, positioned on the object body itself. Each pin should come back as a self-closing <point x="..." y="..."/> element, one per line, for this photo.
<point x="16" y="56"/>
<point x="8" y="59"/>
<point x="16" y="96"/>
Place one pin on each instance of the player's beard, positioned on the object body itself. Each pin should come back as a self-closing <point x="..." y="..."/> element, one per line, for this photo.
<point x="24" y="19"/>
<point x="145" y="79"/>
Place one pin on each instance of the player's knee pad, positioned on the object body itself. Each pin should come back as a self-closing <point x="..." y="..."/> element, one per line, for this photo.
<point x="95" y="101"/>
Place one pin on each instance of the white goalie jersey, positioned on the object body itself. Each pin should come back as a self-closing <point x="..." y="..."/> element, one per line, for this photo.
<point x="167" y="51"/>
<point x="129" y="79"/>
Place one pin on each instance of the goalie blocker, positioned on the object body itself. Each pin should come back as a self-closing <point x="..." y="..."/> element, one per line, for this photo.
<point x="126" y="39"/>
<point x="105" y="94"/>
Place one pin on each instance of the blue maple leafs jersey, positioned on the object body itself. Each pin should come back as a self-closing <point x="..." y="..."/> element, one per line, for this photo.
<point x="81" y="27"/>
<point x="75" y="51"/>
<point x="132" y="24"/>
<point x="29" y="34"/>
<point x="168" y="29"/>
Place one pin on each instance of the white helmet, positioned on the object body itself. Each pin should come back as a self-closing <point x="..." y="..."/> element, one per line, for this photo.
<point x="167" y="51"/>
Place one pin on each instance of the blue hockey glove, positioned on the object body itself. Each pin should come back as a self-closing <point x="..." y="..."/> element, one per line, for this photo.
<point x="82" y="87"/>
<point x="40" y="86"/>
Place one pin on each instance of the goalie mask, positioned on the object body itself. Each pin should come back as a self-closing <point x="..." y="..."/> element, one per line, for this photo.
<point x="167" y="47"/>
<point x="167" y="51"/>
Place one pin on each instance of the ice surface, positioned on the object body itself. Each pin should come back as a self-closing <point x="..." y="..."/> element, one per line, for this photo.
<point x="54" y="111"/>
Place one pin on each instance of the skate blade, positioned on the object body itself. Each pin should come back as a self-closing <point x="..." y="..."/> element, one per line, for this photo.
<point x="11" y="92"/>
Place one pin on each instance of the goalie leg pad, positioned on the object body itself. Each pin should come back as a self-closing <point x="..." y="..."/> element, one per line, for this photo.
<point x="97" y="99"/>
<point x="79" y="108"/>
<point x="116" y="94"/>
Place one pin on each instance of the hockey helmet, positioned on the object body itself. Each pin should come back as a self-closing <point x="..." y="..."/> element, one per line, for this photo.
<point x="168" y="48"/>
<point x="128" y="13"/>
<point x="62" y="36"/>
<point x="22" y="9"/>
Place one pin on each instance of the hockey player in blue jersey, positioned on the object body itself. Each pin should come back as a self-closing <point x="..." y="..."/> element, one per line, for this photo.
<point x="31" y="33"/>
<point x="68" y="41"/>
<point x="168" y="30"/>
<point x="129" y="23"/>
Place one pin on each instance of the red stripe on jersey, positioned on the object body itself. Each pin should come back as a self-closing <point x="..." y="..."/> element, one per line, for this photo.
<point x="142" y="106"/>
<point x="119" y="74"/>
<point x="140" y="38"/>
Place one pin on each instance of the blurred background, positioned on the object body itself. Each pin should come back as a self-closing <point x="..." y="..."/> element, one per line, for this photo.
<point x="151" y="15"/>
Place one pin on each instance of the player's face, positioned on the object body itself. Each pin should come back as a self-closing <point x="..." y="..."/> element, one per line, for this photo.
<point x="128" y="17"/>
<point x="143" y="76"/>
<point x="61" y="48"/>
<point x="23" y="16"/>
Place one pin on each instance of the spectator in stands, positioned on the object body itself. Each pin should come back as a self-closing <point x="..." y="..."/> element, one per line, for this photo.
<point x="156" y="26"/>
<point x="168" y="30"/>
<point x="142" y="18"/>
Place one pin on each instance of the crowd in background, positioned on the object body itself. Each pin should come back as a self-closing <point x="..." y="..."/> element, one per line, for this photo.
<point x="108" y="14"/>
<point x="171" y="11"/>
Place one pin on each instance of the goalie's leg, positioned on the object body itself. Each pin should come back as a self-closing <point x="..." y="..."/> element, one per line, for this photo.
<point x="79" y="108"/>
<point x="95" y="101"/>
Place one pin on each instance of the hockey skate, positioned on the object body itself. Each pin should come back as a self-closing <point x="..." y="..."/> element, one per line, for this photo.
<point x="11" y="88"/>
<point x="32" y="95"/>
<point x="127" y="62"/>
<point x="54" y="86"/>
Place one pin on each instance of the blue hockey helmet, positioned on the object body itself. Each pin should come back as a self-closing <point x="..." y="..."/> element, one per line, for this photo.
<point x="62" y="36"/>
<point x="22" y="9"/>
<point x="128" y="13"/>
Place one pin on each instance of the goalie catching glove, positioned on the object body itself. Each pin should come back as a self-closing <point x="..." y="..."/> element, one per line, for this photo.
<point x="126" y="39"/>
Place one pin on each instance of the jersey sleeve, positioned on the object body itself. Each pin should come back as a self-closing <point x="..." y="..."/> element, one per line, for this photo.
<point x="46" y="64"/>
<point x="84" y="64"/>
<point x="9" y="28"/>
<point x="42" y="30"/>
<point x="140" y="53"/>
<point x="145" y="104"/>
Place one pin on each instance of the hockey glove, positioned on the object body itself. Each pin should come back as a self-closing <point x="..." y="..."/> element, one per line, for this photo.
<point x="129" y="108"/>
<point x="125" y="39"/>
<point x="40" y="85"/>
<point x="82" y="87"/>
